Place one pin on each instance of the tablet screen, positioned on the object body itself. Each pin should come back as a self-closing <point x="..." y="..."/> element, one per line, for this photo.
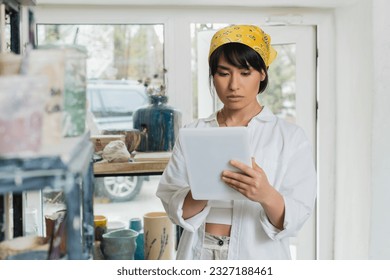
<point x="207" y="152"/>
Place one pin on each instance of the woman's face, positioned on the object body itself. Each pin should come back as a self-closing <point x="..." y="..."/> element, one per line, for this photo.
<point x="236" y="87"/>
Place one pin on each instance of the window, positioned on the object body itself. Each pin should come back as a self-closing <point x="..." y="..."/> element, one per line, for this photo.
<point x="124" y="61"/>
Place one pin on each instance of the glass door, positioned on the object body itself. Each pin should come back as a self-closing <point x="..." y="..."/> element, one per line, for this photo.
<point x="291" y="94"/>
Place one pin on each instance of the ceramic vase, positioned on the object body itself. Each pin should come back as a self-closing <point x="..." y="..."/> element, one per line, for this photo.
<point x="136" y="224"/>
<point x="159" y="237"/>
<point x="159" y="124"/>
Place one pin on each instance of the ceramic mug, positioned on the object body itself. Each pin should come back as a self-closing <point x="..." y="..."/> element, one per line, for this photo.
<point x="159" y="237"/>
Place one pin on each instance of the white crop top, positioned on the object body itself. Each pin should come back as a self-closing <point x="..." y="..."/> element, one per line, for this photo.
<point x="221" y="212"/>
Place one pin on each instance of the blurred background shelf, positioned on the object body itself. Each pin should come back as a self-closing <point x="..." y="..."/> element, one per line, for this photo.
<point x="67" y="168"/>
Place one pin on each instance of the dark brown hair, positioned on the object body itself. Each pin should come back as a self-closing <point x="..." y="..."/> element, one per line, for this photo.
<point x="241" y="56"/>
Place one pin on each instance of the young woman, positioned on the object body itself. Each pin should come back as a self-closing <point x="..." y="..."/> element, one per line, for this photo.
<point x="281" y="182"/>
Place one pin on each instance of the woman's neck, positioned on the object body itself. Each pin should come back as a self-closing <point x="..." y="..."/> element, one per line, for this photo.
<point x="228" y="117"/>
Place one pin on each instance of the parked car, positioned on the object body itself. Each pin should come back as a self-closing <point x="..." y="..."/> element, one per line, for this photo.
<point x="119" y="188"/>
<point x="112" y="104"/>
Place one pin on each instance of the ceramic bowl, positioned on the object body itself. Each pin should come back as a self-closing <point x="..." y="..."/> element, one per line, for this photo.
<point x="119" y="244"/>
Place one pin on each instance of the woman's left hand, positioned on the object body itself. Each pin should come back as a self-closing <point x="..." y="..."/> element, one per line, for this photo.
<point x="252" y="182"/>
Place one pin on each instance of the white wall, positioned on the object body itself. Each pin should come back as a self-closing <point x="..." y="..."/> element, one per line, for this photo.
<point x="354" y="91"/>
<point x="362" y="188"/>
<point x="380" y="226"/>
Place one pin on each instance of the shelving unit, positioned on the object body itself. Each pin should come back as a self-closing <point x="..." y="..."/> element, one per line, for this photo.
<point x="14" y="10"/>
<point x="68" y="168"/>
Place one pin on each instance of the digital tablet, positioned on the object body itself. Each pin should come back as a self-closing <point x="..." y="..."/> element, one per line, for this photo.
<point x="207" y="152"/>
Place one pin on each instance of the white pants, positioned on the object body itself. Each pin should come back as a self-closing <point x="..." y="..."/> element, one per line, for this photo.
<point x="215" y="247"/>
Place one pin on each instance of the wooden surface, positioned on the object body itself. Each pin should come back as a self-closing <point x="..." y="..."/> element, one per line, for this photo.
<point x="143" y="164"/>
<point x="129" y="168"/>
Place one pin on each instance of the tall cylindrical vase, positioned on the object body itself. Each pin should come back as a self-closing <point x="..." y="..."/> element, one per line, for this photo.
<point x="159" y="236"/>
<point x="136" y="224"/>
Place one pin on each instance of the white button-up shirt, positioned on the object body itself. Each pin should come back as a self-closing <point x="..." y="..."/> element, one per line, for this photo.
<point x="282" y="150"/>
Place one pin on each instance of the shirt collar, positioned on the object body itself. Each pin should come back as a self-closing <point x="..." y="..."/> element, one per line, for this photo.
<point x="265" y="115"/>
<point x="212" y="117"/>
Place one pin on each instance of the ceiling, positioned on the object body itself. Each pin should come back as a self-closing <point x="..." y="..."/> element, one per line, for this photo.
<point x="234" y="3"/>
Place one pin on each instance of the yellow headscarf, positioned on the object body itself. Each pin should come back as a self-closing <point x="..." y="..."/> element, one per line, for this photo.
<point x="249" y="35"/>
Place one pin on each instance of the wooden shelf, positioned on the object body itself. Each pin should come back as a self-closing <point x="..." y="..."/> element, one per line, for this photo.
<point x="129" y="168"/>
<point x="152" y="163"/>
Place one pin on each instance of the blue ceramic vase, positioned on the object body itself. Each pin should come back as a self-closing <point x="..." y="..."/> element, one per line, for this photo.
<point x="136" y="224"/>
<point x="159" y="124"/>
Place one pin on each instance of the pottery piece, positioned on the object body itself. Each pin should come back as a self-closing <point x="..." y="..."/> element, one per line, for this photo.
<point x="119" y="244"/>
<point x="136" y="224"/>
<point x="100" y="225"/>
<point x="159" y="124"/>
<point x="159" y="237"/>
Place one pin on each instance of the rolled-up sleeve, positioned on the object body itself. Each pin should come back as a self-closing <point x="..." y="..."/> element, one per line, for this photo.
<point x="174" y="187"/>
<point x="298" y="186"/>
